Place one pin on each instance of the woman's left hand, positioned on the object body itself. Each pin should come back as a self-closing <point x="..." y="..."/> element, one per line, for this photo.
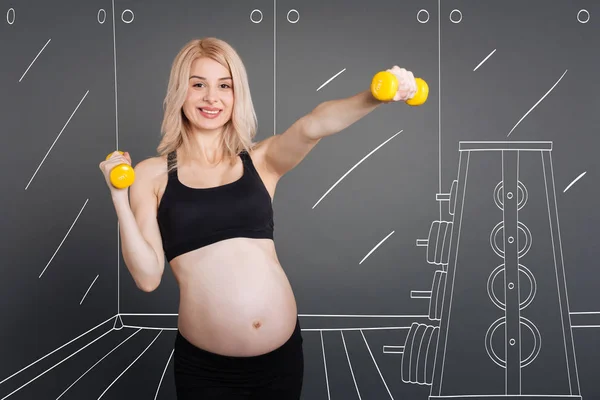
<point x="407" y="86"/>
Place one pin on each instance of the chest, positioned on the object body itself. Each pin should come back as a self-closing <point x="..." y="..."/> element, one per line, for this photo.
<point x="242" y="203"/>
<point x="207" y="178"/>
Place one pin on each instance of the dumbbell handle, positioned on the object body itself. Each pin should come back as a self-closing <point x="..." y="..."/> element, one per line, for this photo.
<point x="420" y="294"/>
<point x="121" y="176"/>
<point x="385" y="85"/>
<point x="393" y="349"/>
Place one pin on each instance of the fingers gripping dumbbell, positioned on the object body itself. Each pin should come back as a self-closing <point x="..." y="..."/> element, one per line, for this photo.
<point x="385" y="85"/>
<point x="121" y="176"/>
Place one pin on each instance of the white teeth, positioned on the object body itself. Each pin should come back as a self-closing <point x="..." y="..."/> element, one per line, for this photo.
<point x="210" y="112"/>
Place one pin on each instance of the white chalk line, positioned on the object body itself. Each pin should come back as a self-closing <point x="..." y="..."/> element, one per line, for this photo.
<point x="575" y="180"/>
<point x="36" y="57"/>
<point x="62" y="361"/>
<point x="54" y="351"/>
<point x="98" y="362"/>
<point x="330" y="79"/>
<point x="376" y="246"/>
<point x="484" y="60"/>
<point x="81" y="302"/>
<point x="133" y="362"/>
<point x="55" y="140"/>
<point x="325" y="366"/>
<point x="163" y="374"/>
<point x="355" y="165"/>
<point x="538" y="102"/>
<point x="67" y="234"/>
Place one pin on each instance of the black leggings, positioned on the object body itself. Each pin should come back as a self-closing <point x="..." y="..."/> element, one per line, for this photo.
<point x="200" y="374"/>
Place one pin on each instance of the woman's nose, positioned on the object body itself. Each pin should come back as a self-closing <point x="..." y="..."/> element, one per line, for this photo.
<point x="211" y="94"/>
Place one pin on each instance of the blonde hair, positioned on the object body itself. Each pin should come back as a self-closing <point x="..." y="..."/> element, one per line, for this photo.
<point x="239" y="131"/>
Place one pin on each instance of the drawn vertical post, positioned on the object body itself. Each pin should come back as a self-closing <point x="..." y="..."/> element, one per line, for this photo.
<point x="512" y="340"/>
<point x="560" y="273"/>
<point x="440" y="348"/>
<point x="116" y="147"/>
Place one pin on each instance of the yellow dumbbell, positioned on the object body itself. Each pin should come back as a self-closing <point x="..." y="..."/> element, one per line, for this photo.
<point x="121" y="176"/>
<point x="385" y="85"/>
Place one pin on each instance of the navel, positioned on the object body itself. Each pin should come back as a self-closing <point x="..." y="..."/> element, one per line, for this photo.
<point x="256" y="324"/>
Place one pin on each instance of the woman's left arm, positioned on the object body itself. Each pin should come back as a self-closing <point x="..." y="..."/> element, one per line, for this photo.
<point x="285" y="151"/>
<point x="334" y="116"/>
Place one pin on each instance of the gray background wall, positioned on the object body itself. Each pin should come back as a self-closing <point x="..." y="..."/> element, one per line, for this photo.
<point x="97" y="83"/>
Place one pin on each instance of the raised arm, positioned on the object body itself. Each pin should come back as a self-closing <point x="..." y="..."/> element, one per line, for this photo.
<point x="141" y="243"/>
<point x="285" y="151"/>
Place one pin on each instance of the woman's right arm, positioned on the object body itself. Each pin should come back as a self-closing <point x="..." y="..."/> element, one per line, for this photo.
<point x="141" y="243"/>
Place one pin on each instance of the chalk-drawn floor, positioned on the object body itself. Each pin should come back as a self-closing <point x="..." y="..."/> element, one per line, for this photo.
<point x="110" y="362"/>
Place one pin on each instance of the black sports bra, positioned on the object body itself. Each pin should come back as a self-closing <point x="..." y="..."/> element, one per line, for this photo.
<point x="191" y="218"/>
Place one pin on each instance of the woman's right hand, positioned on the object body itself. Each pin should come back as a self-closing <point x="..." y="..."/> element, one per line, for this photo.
<point x="106" y="166"/>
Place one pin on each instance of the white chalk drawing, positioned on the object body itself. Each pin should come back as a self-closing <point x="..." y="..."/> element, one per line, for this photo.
<point x="429" y="347"/>
<point x="419" y="18"/>
<point x="127" y="16"/>
<point x="538" y="102"/>
<point x="99" y="361"/>
<point x="55" y="140"/>
<point x="11" y="16"/>
<point x="583" y="16"/>
<point x="574" y="180"/>
<point x="293" y="16"/>
<point x="129" y="366"/>
<point x="484" y="60"/>
<point x="376" y="246"/>
<point x="114" y="37"/>
<point x="423" y="351"/>
<point x="163" y="374"/>
<point x="330" y="79"/>
<point x="456" y="16"/>
<point x="54" y="366"/>
<point x="259" y="13"/>
<point x="325" y="366"/>
<point x="101" y="16"/>
<point x="36" y="57"/>
<point x="350" y="365"/>
<point x="354" y="167"/>
<point x="87" y="291"/>
<point x="64" y="238"/>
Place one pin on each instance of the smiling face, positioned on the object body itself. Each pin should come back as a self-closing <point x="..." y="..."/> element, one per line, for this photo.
<point x="209" y="102"/>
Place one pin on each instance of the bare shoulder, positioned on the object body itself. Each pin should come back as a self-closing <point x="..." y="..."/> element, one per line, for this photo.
<point x="151" y="174"/>
<point x="152" y="167"/>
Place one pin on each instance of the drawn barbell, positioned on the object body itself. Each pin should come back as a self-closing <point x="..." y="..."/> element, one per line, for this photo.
<point x="450" y="197"/>
<point x="438" y="242"/>
<point x="435" y="295"/>
<point x="418" y="353"/>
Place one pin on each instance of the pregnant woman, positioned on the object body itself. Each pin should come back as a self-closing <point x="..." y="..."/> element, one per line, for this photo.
<point x="205" y="202"/>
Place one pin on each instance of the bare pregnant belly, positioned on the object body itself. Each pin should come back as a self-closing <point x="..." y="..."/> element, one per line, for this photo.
<point x="235" y="298"/>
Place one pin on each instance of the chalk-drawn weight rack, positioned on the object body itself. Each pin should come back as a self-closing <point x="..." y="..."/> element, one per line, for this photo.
<point x="498" y="342"/>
